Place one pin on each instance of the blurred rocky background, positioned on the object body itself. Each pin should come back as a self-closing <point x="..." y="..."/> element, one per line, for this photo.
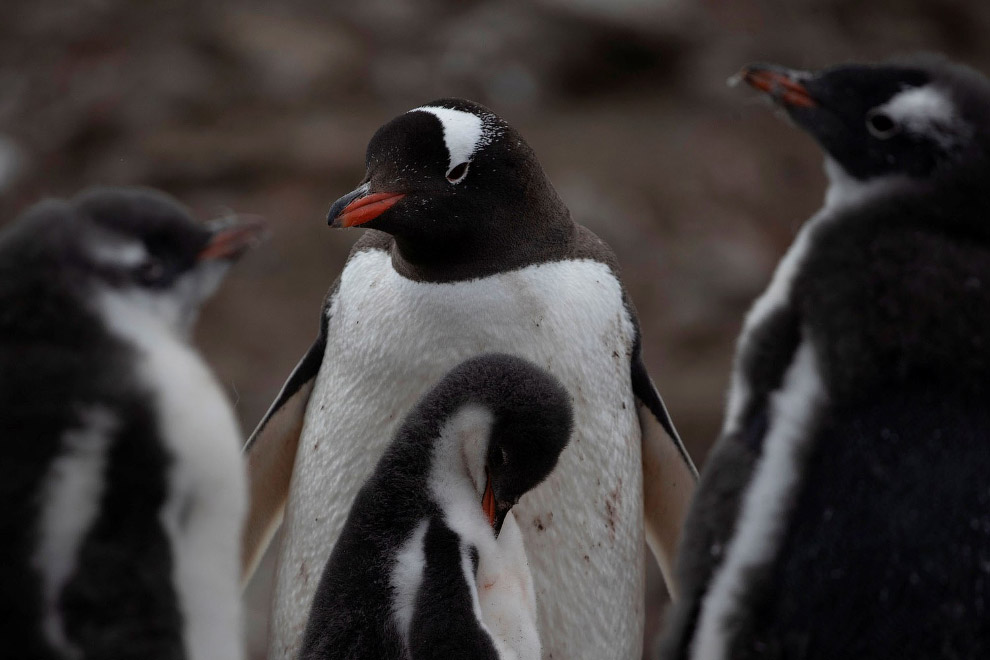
<point x="266" y="108"/>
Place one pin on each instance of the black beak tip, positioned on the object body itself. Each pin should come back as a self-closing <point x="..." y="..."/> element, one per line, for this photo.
<point x="333" y="215"/>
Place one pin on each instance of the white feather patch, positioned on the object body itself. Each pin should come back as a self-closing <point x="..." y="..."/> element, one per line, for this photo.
<point x="845" y="191"/>
<point x="407" y="575"/>
<point x="206" y="498"/>
<point x="111" y="250"/>
<point x="506" y="596"/>
<point x="925" y="110"/>
<point x="463" y="132"/>
<point x="70" y="502"/>
<point x="775" y="297"/>
<point x="766" y="502"/>
<point x="457" y="473"/>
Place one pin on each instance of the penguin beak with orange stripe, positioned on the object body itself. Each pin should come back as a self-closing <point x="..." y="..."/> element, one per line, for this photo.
<point x="495" y="510"/>
<point x="360" y="206"/>
<point x="785" y="86"/>
<point x="800" y="94"/>
<point x="232" y="237"/>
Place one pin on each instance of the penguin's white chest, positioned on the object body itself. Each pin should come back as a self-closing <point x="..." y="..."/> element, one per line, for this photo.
<point x="207" y="490"/>
<point x="389" y="341"/>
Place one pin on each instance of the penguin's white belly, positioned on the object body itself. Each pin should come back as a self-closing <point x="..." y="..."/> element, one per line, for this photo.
<point x="389" y="341"/>
<point x="207" y="485"/>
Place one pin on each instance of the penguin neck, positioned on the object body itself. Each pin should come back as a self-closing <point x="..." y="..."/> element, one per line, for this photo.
<point x="457" y="470"/>
<point x="961" y="197"/>
<point x="844" y="190"/>
<point x="541" y="233"/>
<point x="154" y="311"/>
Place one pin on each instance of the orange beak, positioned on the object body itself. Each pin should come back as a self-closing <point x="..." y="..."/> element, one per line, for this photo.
<point x="488" y="502"/>
<point x="778" y="85"/>
<point x="367" y="208"/>
<point x="233" y="239"/>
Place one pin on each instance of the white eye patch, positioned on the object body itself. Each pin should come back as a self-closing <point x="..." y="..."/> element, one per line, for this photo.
<point x="111" y="251"/>
<point x="923" y="110"/>
<point x="463" y="133"/>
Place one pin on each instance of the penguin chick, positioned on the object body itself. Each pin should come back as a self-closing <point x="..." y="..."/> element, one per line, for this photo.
<point x="122" y="485"/>
<point x="417" y="569"/>
<point x="843" y="511"/>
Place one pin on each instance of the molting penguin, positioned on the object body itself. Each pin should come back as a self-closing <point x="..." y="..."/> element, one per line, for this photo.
<point x="844" y="510"/>
<point x="470" y="250"/>
<point x="418" y="571"/>
<point x="122" y="486"/>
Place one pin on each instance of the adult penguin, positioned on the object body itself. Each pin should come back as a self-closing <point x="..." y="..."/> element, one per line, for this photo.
<point x="469" y="250"/>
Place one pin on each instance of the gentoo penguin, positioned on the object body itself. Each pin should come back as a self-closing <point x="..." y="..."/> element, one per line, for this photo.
<point x="845" y="512"/>
<point x="122" y="485"/>
<point x="405" y="579"/>
<point x="470" y="250"/>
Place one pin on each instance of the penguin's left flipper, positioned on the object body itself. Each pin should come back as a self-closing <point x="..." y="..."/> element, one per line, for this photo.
<point x="271" y="454"/>
<point x="669" y="475"/>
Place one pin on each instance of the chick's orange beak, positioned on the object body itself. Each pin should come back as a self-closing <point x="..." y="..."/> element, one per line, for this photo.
<point x="232" y="238"/>
<point x="779" y="85"/>
<point x="488" y="502"/>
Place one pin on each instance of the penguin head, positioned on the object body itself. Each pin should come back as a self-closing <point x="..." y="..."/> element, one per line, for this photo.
<point x="451" y="181"/>
<point x="918" y="118"/>
<point x="137" y="243"/>
<point x="511" y="420"/>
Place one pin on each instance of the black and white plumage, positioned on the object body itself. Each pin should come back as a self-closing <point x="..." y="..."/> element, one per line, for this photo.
<point x="417" y="569"/>
<point x="470" y="250"/>
<point x="844" y="511"/>
<point x="122" y="487"/>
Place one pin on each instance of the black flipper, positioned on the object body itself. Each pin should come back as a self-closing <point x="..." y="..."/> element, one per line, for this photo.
<point x="271" y="450"/>
<point x="669" y="476"/>
<point x="647" y="393"/>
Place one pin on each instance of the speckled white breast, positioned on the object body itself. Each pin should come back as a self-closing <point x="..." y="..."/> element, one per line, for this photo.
<point x="389" y="340"/>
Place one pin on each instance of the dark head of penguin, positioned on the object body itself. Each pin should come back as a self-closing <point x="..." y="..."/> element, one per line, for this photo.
<point x="531" y="423"/>
<point x="452" y="182"/>
<point x="138" y="242"/>
<point x="920" y="117"/>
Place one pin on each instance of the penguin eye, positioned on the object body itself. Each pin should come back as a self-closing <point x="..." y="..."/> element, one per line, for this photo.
<point x="457" y="172"/>
<point x="880" y="125"/>
<point x="151" y="271"/>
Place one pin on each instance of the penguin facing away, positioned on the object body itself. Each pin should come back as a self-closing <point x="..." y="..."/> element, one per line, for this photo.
<point x="470" y="250"/>
<point x="124" y="492"/>
<point x="844" y="510"/>
<point x="417" y="571"/>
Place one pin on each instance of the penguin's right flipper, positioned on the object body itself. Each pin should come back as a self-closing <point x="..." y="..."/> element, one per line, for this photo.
<point x="669" y="475"/>
<point x="271" y="453"/>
